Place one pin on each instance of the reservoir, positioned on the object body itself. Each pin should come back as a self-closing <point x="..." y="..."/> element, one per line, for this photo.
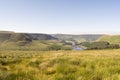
<point x="77" y="48"/>
<point x="74" y="46"/>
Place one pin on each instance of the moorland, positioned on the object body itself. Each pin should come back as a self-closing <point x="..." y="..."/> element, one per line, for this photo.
<point x="38" y="56"/>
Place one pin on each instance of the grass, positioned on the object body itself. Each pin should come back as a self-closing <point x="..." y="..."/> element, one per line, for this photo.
<point x="35" y="45"/>
<point x="115" y="39"/>
<point x="60" y="65"/>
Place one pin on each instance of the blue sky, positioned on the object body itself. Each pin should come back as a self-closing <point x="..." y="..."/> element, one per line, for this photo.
<point x="61" y="16"/>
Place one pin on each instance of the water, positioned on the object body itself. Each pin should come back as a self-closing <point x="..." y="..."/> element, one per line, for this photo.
<point x="77" y="48"/>
<point x="74" y="46"/>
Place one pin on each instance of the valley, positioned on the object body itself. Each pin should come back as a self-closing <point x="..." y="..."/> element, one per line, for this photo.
<point x="29" y="56"/>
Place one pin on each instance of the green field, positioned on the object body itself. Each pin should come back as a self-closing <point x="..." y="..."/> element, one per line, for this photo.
<point x="60" y="65"/>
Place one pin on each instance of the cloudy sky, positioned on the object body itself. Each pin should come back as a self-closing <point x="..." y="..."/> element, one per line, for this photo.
<point x="61" y="16"/>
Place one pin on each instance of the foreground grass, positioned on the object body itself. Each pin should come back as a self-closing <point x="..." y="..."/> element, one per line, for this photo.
<point x="60" y="65"/>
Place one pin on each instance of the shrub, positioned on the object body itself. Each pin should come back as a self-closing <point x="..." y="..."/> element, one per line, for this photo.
<point x="54" y="47"/>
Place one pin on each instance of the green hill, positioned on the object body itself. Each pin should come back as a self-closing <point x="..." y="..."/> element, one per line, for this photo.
<point x="30" y="41"/>
<point x="15" y="40"/>
<point x="115" y="39"/>
<point x="79" y="38"/>
<point x="4" y="35"/>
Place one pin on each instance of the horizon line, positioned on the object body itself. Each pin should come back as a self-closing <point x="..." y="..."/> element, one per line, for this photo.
<point x="83" y="33"/>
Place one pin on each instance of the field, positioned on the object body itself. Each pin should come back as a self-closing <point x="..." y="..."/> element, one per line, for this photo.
<point x="60" y="65"/>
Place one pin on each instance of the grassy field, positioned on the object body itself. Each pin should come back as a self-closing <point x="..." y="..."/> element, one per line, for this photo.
<point x="60" y="65"/>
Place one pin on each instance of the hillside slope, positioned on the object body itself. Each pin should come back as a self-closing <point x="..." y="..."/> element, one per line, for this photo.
<point x="30" y="41"/>
<point x="23" y="36"/>
<point x="14" y="40"/>
<point x="115" y="39"/>
<point x="79" y="38"/>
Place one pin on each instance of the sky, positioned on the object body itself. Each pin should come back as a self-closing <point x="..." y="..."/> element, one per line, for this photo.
<point x="61" y="16"/>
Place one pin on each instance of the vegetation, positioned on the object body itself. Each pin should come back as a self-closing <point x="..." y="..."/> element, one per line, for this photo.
<point x="78" y="38"/>
<point x="115" y="39"/>
<point x="36" y="45"/>
<point x="14" y="37"/>
<point x="59" y="47"/>
<point x="60" y="65"/>
<point x="99" y="45"/>
<point x="30" y="56"/>
<point x="30" y="41"/>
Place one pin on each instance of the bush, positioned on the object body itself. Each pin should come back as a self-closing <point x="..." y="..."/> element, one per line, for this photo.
<point x="54" y="47"/>
<point x="66" y="48"/>
<point x="113" y="46"/>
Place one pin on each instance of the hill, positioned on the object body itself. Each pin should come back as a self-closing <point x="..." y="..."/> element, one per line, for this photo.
<point x="114" y="39"/>
<point x="30" y="41"/>
<point x="4" y="35"/>
<point x="36" y="41"/>
<point x="12" y="39"/>
<point x="79" y="38"/>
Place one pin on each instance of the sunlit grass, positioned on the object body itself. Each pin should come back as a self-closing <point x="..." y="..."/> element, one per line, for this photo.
<point x="60" y="65"/>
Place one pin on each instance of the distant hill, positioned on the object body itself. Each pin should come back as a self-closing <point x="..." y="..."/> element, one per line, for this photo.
<point x="114" y="39"/>
<point x="11" y="38"/>
<point x="6" y="32"/>
<point x="35" y="41"/>
<point x="30" y="41"/>
<point x="79" y="38"/>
